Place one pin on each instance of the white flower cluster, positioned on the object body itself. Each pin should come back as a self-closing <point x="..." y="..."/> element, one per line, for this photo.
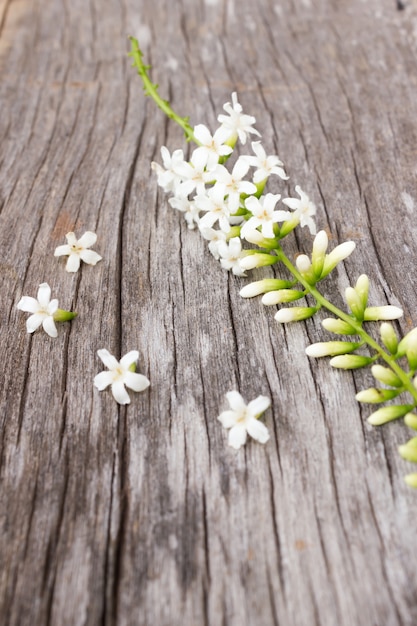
<point x="228" y="208"/>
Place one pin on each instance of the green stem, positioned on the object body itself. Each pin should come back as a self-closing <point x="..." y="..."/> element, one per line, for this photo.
<point x="151" y="89"/>
<point x="388" y="358"/>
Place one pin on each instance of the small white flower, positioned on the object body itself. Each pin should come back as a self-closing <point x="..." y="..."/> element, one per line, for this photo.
<point x="42" y="310"/>
<point x="212" y="147"/>
<point x="243" y="419"/>
<point x="234" y="185"/>
<point x="237" y="123"/>
<point x="77" y="251"/>
<point x="215" y="207"/>
<point x="168" y="178"/>
<point x="194" y="175"/>
<point x="213" y="237"/>
<point x="265" y="165"/>
<point x="188" y="207"/>
<point x="119" y="375"/>
<point x="263" y="215"/>
<point x="230" y="255"/>
<point x="304" y="209"/>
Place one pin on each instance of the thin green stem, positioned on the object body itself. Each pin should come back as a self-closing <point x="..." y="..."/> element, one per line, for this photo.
<point x="151" y="89"/>
<point x="320" y="299"/>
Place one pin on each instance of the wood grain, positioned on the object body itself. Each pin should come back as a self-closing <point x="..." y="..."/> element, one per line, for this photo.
<point x="143" y="515"/>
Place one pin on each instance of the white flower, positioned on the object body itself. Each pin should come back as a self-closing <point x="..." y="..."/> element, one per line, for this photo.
<point x="304" y="209"/>
<point x="212" y="147"/>
<point x="263" y="215"/>
<point x="237" y="123"/>
<point x="213" y="237"/>
<point x="242" y="419"/>
<point x="77" y="251"/>
<point x="119" y="375"/>
<point x="188" y="207"/>
<point x="168" y="178"/>
<point x="265" y="165"/>
<point x="231" y="254"/>
<point x="216" y="207"/>
<point x="194" y="175"/>
<point x="42" y="310"/>
<point x="234" y="185"/>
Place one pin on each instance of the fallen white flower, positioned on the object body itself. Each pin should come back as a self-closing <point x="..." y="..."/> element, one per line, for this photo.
<point x="119" y="375"/>
<point x="77" y="251"/>
<point x="42" y="310"/>
<point x="243" y="419"/>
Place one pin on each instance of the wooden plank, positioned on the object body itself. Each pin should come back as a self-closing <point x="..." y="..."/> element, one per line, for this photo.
<point x="143" y="515"/>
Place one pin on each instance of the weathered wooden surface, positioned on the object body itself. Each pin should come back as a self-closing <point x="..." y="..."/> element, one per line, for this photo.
<point x="143" y="515"/>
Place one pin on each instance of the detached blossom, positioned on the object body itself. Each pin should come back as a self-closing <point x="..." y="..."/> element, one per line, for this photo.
<point x="119" y="375"/>
<point x="42" y="310"/>
<point x="265" y="165"/>
<point x="230" y="255"/>
<point x="77" y="251"/>
<point x="237" y="123"/>
<point x="304" y="209"/>
<point x="263" y="215"/>
<point x="168" y="178"/>
<point x="243" y="419"/>
<point x="212" y="147"/>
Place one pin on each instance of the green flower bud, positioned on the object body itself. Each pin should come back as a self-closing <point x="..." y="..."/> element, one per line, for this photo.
<point x="282" y="295"/>
<point x="403" y="345"/>
<point x="64" y="316"/>
<point x="412" y="353"/>
<point x="331" y="348"/>
<point x="350" y="361"/>
<point x="411" y="480"/>
<point x="338" y="254"/>
<point x="338" y="327"/>
<point x="411" y="420"/>
<point x="250" y="261"/>
<point x="263" y="286"/>
<point x="355" y="303"/>
<point x="288" y="226"/>
<point x="389" y="413"/>
<point x="295" y="314"/>
<point x="305" y="268"/>
<point x="389" y="337"/>
<point x="374" y="395"/>
<point x="318" y="255"/>
<point x="378" y="313"/>
<point x="409" y="450"/>
<point x="362" y="289"/>
<point x="386" y="375"/>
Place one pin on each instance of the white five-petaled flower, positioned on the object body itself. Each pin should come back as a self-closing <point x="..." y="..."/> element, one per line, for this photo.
<point x="230" y="255"/>
<point x="119" y="375"/>
<point x="237" y="123"/>
<point x="234" y="185"/>
<point x="242" y="419"/>
<point x="212" y="147"/>
<point x="168" y="178"/>
<point x="265" y="165"/>
<point x="42" y="310"/>
<point x="214" y="204"/>
<point x="304" y="208"/>
<point x="77" y="251"/>
<point x="263" y="215"/>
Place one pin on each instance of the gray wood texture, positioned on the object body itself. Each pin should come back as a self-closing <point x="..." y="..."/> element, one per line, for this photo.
<point x="143" y="515"/>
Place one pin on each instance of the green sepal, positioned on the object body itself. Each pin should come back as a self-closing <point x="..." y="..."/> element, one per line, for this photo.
<point x="64" y="316"/>
<point x="132" y="367"/>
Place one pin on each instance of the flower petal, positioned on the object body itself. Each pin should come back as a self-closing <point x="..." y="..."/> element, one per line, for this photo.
<point x="34" y="321"/>
<point x="28" y="304"/>
<point x="227" y="418"/>
<point x="259" y="405"/>
<point x="119" y="392"/>
<point x="62" y="250"/>
<point x="236" y="401"/>
<point x="49" y="326"/>
<point x="73" y="263"/>
<point x="87" y="240"/>
<point x="44" y="294"/>
<point x="129" y="358"/>
<point x="103" y="380"/>
<point x="71" y="239"/>
<point x="108" y="359"/>
<point x="90" y="257"/>
<point x="257" y="430"/>
<point x="237" y="436"/>
<point x="134" y="381"/>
